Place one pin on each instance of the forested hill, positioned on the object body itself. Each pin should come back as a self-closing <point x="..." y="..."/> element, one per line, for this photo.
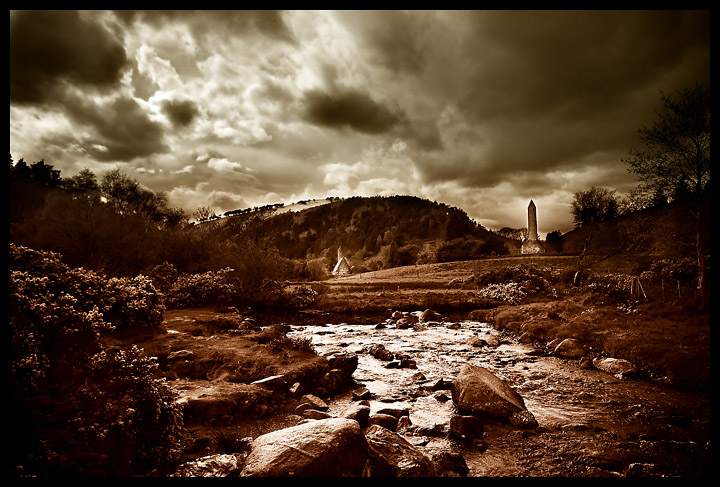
<point x="379" y="232"/>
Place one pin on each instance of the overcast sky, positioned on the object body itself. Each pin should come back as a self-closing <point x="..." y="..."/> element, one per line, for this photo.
<point x="483" y="110"/>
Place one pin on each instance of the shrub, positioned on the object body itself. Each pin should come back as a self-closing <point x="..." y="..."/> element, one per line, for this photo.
<point x="685" y="269"/>
<point x="510" y="292"/>
<point x="300" y="296"/>
<point x="163" y="276"/>
<point x="68" y="393"/>
<point x="513" y="283"/>
<point x="124" y="403"/>
<point x="204" y="289"/>
<point x="610" y="285"/>
<point x="133" y="302"/>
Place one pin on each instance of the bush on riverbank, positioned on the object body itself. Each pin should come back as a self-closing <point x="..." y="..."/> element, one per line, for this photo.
<point x="70" y="396"/>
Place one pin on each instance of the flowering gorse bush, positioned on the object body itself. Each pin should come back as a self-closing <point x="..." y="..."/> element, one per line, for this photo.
<point x="610" y="284"/>
<point x="132" y="301"/>
<point x="300" y="296"/>
<point x="61" y="372"/>
<point x="685" y="269"/>
<point x="514" y="283"/>
<point x="510" y="292"/>
<point x="127" y="402"/>
<point x="203" y="289"/>
<point x="42" y="318"/>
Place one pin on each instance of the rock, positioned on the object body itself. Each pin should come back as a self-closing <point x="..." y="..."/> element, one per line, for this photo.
<point x="429" y="315"/>
<point x="315" y="414"/>
<point x="441" y="397"/>
<point x="475" y="341"/>
<point x="525" y="338"/>
<point x="334" y="447"/>
<point x="347" y="362"/>
<point x="402" y="324"/>
<point x="418" y="376"/>
<point x="391" y="455"/>
<point x="275" y="383"/>
<point x="466" y="427"/>
<point x="397" y="412"/>
<point x="222" y="403"/>
<point x="478" y="392"/>
<point x="315" y="402"/>
<point x="333" y="381"/>
<point x="479" y="315"/>
<point x="403" y="424"/>
<point x="295" y="389"/>
<point x="570" y="348"/>
<point x="492" y="341"/>
<point x="450" y="464"/>
<point x="441" y="385"/>
<point x="394" y="364"/>
<point x="181" y="355"/>
<point x="641" y="470"/>
<point x="359" y="412"/>
<point x="385" y="420"/>
<point x="301" y="408"/>
<point x="523" y="419"/>
<point x="379" y="352"/>
<point x="586" y="363"/>
<point x="361" y="394"/>
<point x="396" y="315"/>
<point x="436" y="430"/>
<point x="221" y="465"/>
<point x="615" y="366"/>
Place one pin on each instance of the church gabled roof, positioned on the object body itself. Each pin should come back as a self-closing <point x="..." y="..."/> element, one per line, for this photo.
<point x="342" y="266"/>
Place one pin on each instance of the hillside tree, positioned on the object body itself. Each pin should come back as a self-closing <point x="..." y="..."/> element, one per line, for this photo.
<point x="675" y="160"/>
<point x="594" y="205"/>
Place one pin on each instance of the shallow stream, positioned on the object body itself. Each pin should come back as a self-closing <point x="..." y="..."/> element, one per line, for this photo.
<point x="590" y="422"/>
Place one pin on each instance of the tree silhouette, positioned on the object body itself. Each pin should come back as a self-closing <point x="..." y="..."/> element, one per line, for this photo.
<point x="594" y="205"/>
<point x="676" y="160"/>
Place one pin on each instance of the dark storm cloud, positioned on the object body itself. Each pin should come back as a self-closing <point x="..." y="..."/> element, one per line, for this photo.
<point x="571" y="64"/>
<point x="549" y="90"/>
<point x="394" y="38"/>
<point x="349" y="108"/>
<point x="48" y="48"/>
<point x="180" y="112"/>
<point x="120" y="130"/>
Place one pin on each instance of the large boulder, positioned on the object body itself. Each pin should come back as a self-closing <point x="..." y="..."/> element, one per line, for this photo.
<point x="334" y="447"/>
<point x="478" y="392"/>
<point x="391" y="455"/>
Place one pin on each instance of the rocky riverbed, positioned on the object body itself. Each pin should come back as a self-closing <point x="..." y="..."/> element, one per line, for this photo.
<point x="590" y="422"/>
<point x="581" y="417"/>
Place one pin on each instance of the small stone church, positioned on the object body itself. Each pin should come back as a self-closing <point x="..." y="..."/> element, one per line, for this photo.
<point x="342" y="268"/>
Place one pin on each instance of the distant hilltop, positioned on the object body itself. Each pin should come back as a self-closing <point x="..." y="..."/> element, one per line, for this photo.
<point x="374" y="232"/>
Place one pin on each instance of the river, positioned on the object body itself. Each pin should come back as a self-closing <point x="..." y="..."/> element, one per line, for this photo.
<point x="591" y="423"/>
